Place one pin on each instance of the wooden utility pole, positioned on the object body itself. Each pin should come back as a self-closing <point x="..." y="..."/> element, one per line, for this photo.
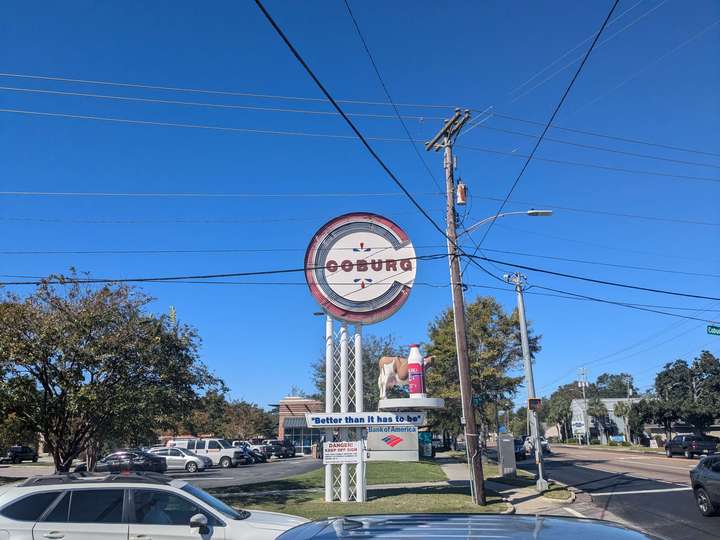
<point x="444" y="139"/>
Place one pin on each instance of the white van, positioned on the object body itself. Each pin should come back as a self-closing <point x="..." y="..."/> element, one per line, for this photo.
<point x="220" y="451"/>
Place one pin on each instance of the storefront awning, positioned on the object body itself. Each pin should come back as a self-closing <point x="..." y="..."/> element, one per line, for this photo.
<point x="294" y="422"/>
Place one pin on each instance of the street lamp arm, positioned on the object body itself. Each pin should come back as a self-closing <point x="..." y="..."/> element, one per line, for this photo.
<point x="482" y="222"/>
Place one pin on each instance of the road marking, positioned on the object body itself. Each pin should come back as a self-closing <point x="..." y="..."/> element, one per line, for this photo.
<point x="663" y="490"/>
<point x="573" y="512"/>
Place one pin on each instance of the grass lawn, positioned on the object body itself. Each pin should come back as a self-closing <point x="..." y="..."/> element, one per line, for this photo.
<point x="395" y="501"/>
<point x="378" y="472"/>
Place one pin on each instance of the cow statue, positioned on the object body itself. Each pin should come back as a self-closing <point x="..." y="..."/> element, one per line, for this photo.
<point x="394" y="372"/>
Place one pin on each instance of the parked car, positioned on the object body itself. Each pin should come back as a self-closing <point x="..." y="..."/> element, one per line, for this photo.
<point x="543" y="443"/>
<point x="519" y="446"/>
<point x="691" y="445"/>
<point x="705" y="481"/>
<point x="281" y="448"/>
<point x="18" y="454"/>
<point x="460" y="526"/>
<point x="127" y="460"/>
<point x="182" y="459"/>
<point x="220" y="451"/>
<point x="132" y="505"/>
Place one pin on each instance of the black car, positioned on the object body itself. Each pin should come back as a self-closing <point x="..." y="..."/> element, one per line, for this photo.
<point x="281" y="448"/>
<point x="691" y="445"/>
<point x="705" y="481"/>
<point x="457" y="526"/>
<point x="18" y="454"/>
<point x="519" y="445"/>
<point x="128" y="460"/>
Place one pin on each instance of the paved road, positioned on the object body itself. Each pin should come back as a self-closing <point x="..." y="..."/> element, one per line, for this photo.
<point x="275" y="469"/>
<point x="649" y="491"/>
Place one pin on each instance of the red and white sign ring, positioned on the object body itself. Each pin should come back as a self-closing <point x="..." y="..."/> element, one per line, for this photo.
<point x="360" y="267"/>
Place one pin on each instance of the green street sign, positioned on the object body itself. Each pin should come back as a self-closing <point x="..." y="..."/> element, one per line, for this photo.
<point x="714" y="330"/>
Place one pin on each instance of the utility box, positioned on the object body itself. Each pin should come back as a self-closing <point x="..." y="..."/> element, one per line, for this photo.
<point x="506" y="456"/>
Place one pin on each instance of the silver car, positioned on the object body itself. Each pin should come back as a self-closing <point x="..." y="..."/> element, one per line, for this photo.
<point x="181" y="459"/>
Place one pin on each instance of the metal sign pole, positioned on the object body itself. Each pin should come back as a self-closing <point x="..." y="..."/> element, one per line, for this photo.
<point x="344" y="403"/>
<point x="329" y="394"/>
<point x="359" y="407"/>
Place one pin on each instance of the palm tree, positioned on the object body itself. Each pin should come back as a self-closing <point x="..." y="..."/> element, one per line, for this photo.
<point x="598" y="411"/>
<point x="622" y="410"/>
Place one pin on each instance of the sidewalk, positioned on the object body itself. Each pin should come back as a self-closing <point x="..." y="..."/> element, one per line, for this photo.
<point x="525" y="499"/>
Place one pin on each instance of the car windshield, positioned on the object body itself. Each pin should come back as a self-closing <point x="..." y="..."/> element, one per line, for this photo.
<point x="225" y="444"/>
<point x="187" y="452"/>
<point x="218" y="505"/>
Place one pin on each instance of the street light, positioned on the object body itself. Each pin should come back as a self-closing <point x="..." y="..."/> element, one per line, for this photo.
<point x="519" y="280"/>
<point x="532" y="212"/>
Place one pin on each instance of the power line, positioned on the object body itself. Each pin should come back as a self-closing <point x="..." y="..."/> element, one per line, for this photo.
<point x="589" y="165"/>
<point x="600" y="263"/>
<point x="569" y="64"/>
<point x="217" y="92"/>
<point x="606" y="136"/>
<point x="607" y="212"/>
<point x="204" y="195"/>
<point x="547" y="125"/>
<point x="348" y="101"/>
<point x="598" y="281"/>
<point x="198" y="277"/>
<point x="211" y="105"/>
<point x="207" y="127"/>
<point x="600" y="148"/>
<point x="352" y="126"/>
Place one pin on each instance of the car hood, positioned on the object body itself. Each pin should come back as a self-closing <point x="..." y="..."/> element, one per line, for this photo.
<point x="274" y="521"/>
<point x="461" y="526"/>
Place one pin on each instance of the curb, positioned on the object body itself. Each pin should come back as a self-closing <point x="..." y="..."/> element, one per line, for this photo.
<point x="511" y="507"/>
<point x="572" y="491"/>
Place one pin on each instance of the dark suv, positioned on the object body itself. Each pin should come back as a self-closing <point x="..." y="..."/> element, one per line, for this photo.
<point x="705" y="481"/>
<point x="281" y="448"/>
<point x="17" y="454"/>
<point x="691" y="445"/>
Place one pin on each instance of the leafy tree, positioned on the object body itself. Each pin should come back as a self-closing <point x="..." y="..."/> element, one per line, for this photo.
<point x="598" y="411"/>
<point x="245" y="420"/>
<point x="559" y="412"/>
<point x="494" y="350"/>
<point x="84" y="364"/>
<point x="518" y="422"/>
<point x="614" y="385"/>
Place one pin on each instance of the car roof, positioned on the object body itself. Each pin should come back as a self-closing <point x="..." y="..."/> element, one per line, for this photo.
<point x="512" y="527"/>
<point x="87" y="478"/>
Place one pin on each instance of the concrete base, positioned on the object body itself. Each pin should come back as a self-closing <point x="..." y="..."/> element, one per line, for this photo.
<point x="409" y="404"/>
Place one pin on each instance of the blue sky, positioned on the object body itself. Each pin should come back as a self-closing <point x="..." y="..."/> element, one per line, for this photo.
<point x="654" y="77"/>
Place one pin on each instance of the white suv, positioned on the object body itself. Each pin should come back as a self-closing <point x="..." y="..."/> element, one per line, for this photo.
<point x="84" y="506"/>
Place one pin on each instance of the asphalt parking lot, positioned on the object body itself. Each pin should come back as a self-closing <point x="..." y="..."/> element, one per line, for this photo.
<point x="274" y="469"/>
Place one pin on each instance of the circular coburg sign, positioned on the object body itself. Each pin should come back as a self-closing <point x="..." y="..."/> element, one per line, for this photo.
<point x="360" y="267"/>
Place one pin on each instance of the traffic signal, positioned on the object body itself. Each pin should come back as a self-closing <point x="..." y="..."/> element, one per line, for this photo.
<point x="534" y="404"/>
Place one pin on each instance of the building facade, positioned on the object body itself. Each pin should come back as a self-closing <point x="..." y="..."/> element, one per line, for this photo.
<point x="292" y="425"/>
<point x="614" y="425"/>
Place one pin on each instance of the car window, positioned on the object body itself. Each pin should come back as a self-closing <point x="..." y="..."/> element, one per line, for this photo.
<point x="225" y="444"/>
<point x="213" y="445"/>
<point x="173" y="452"/>
<point x="29" y="508"/>
<point x="59" y="514"/>
<point x="191" y="445"/>
<point x="217" y="504"/>
<point x="96" y="506"/>
<point x="161" y="452"/>
<point x="200" y="445"/>
<point x="154" y="507"/>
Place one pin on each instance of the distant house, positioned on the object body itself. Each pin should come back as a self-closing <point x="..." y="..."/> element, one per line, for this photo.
<point x="614" y="425"/>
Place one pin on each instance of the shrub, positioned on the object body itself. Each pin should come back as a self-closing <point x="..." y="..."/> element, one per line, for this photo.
<point x="625" y="443"/>
<point x="610" y="443"/>
<point x="594" y="441"/>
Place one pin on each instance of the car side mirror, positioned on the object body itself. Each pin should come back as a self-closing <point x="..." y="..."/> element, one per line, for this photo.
<point x="199" y="521"/>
